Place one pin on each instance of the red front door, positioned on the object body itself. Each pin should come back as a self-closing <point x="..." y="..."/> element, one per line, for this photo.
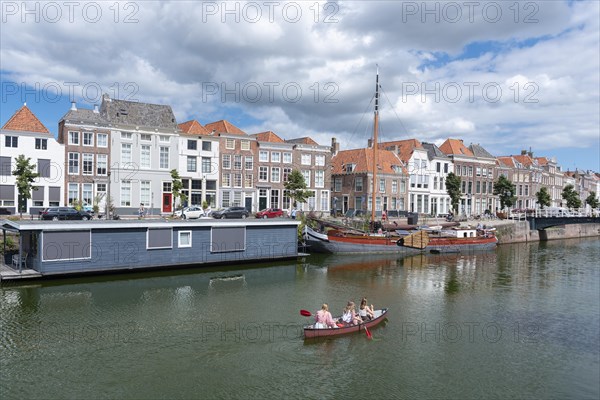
<point x="167" y="202"/>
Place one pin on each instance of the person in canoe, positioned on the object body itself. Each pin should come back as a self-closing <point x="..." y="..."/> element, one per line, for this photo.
<point x="323" y="318"/>
<point x="365" y="312"/>
<point x="350" y="317"/>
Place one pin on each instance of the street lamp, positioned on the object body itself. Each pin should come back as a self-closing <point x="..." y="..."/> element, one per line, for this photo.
<point x="108" y="199"/>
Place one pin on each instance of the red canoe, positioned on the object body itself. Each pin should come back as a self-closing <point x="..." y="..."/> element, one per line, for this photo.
<point x="311" y="332"/>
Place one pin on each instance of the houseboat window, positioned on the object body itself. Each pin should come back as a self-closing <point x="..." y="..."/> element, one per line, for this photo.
<point x="161" y="238"/>
<point x="185" y="239"/>
<point x="67" y="246"/>
<point x="227" y="239"/>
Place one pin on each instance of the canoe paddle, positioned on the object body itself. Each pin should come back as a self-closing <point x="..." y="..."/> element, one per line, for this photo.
<point x="368" y="333"/>
<point x="305" y="313"/>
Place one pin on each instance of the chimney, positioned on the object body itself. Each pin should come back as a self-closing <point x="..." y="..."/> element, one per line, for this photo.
<point x="370" y="143"/>
<point x="530" y="154"/>
<point x="73" y="106"/>
<point x="523" y="152"/>
<point x="96" y="111"/>
<point x="335" y="146"/>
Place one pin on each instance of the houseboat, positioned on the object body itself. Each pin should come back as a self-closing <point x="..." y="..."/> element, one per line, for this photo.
<point x="76" y="247"/>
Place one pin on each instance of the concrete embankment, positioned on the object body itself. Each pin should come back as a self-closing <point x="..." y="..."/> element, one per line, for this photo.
<point x="518" y="232"/>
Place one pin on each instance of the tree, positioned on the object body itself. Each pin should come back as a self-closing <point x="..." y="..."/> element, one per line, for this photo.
<point x="176" y="187"/>
<point x="543" y="197"/>
<point x="296" y="187"/>
<point x="506" y="191"/>
<point x="24" y="171"/>
<point x="453" y="190"/>
<point x="592" y="200"/>
<point x="571" y="197"/>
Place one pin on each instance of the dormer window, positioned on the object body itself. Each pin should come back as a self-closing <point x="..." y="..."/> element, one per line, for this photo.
<point x="350" y="167"/>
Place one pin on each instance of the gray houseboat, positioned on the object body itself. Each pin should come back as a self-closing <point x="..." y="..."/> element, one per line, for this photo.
<point x="75" y="247"/>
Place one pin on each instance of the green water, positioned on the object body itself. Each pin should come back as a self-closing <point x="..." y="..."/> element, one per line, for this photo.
<point x="520" y="322"/>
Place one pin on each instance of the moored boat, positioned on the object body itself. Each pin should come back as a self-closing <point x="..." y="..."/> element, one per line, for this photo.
<point x="311" y="332"/>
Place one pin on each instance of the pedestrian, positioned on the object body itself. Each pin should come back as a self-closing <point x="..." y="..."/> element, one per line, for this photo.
<point x="142" y="210"/>
<point x="293" y="214"/>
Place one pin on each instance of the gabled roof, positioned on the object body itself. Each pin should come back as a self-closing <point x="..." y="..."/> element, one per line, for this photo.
<point x="84" y="115"/>
<point x="405" y="148"/>
<point x="433" y="151"/>
<point x="524" y="159"/>
<point x="455" y="147"/>
<point x="25" y="120"/>
<point x="542" y="160"/>
<point x="224" y="126"/>
<point x="479" y="151"/>
<point x="506" y="161"/>
<point x="363" y="161"/>
<point x="193" y="127"/>
<point x="268" y="136"/>
<point x="134" y="113"/>
<point x="303" y="140"/>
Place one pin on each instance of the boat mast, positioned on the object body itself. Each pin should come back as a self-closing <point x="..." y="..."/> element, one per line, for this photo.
<point x="375" y="142"/>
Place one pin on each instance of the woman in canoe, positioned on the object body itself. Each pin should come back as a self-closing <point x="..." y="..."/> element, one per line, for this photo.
<point x="324" y="319"/>
<point x="349" y="317"/>
<point x="365" y="312"/>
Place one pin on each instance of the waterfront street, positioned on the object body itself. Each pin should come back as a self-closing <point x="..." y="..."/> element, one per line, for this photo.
<point x="519" y="322"/>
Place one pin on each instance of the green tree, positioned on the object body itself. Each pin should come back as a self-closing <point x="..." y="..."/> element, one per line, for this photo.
<point x="506" y="191"/>
<point x="176" y="187"/>
<point x="296" y="187"/>
<point x="571" y="197"/>
<point x="26" y="175"/>
<point x="453" y="190"/>
<point x="592" y="200"/>
<point x="543" y="197"/>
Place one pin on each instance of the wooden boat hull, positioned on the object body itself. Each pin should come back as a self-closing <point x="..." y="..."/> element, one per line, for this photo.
<point x="310" y="332"/>
<point x="362" y="244"/>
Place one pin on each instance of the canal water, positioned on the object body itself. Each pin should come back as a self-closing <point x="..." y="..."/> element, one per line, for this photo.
<point x="520" y="322"/>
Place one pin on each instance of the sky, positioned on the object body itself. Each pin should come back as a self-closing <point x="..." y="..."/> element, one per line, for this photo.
<point x="507" y="75"/>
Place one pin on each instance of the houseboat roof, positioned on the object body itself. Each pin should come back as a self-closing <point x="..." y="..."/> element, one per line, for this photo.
<point x="37" y="225"/>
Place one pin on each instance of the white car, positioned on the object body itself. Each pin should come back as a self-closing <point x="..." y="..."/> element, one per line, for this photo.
<point x="179" y="213"/>
<point x="193" y="212"/>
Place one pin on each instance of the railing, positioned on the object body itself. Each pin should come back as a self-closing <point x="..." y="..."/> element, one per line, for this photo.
<point x="553" y="212"/>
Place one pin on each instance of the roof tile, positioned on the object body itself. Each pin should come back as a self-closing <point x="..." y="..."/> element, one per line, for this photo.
<point x="25" y="120"/>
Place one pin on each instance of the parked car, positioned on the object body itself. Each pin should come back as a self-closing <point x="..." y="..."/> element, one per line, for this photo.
<point x="231" y="212"/>
<point x="64" y="213"/>
<point x="179" y="213"/>
<point x="4" y="211"/>
<point x="193" y="212"/>
<point x="270" y="213"/>
<point x="87" y="208"/>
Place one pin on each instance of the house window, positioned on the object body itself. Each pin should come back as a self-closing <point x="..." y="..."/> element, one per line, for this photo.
<point x="249" y="163"/>
<point x="74" y="138"/>
<point x="164" y="139"/>
<point x="146" y="137"/>
<point x="126" y="135"/>
<point x="192" y="144"/>
<point x="263" y="156"/>
<point x="230" y="144"/>
<point x="248" y="180"/>
<point x="306" y="175"/>
<point x="88" y="138"/>
<point x="324" y="200"/>
<point x="226" y="180"/>
<point x="337" y="185"/>
<point x="125" y="153"/>
<point x="245" y="145"/>
<point x="275" y="156"/>
<point x="263" y="174"/>
<point x="445" y="168"/>
<point x="73" y="163"/>
<point x="358" y="184"/>
<point x="101" y="188"/>
<point x="305" y="159"/>
<point x="484" y="172"/>
<point x="206" y="146"/>
<point x="237" y="180"/>
<point x="225" y="200"/>
<point x="287" y="158"/>
<point x="381" y="185"/>
<point x="237" y="162"/>
<point x="145" y="192"/>
<point x="167" y="187"/>
<point x="402" y="186"/>
<point x="438" y="167"/>
<point x="125" y="193"/>
<point x="185" y="239"/>
<point x="478" y="187"/>
<point x="164" y="158"/>
<point x="275" y="174"/>
<point x="320" y="161"/>
<point x="435" y="182"/>
<point x="87" y="193"/>
<point x="102" y="139"/>
<point x="88" y="164"/>
<point x="206" y="165"/>
<point x="470" y="171"/>
<point x="73" y="196"/>
<point x="320" y="179"/>
<point x="145" y="156"/>
<point x="275" y="198"/>
<point x="478" y="171"/>
<point x="191" y="163"/>
<point x="101" y="164"/>
<point x="286" y="173"/>
<point x="226" y="161"/>
<point x="394" y="187"/>
<point x="464" y="170"/>
<point x="350" y="167"/>
<point x="41" y="144"/>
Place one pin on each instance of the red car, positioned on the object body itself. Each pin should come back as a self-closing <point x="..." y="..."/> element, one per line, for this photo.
<point x="270" y="213"/>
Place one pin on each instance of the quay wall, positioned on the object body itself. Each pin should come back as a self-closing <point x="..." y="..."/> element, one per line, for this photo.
<point x="519" y="232"/>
